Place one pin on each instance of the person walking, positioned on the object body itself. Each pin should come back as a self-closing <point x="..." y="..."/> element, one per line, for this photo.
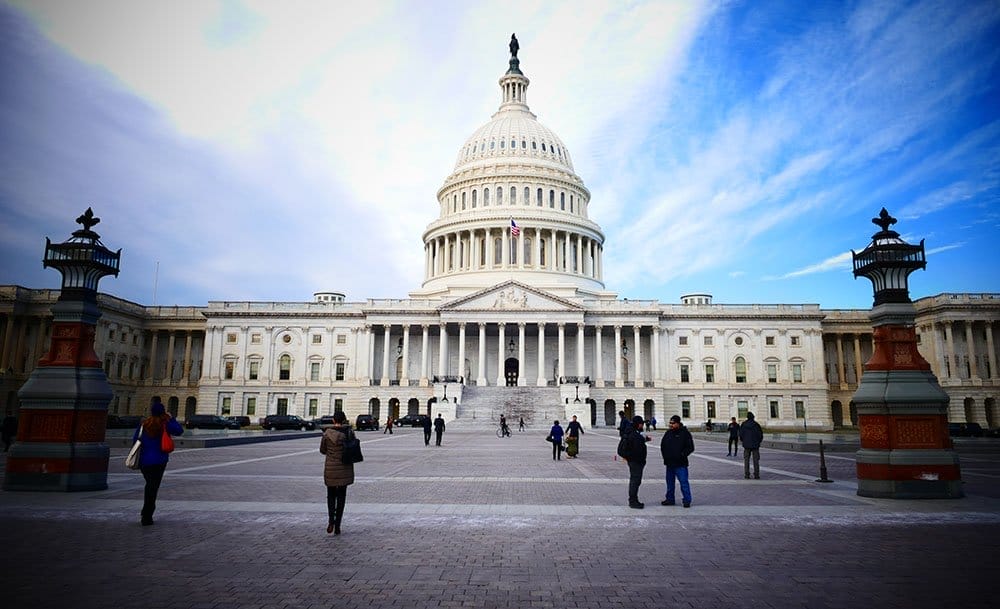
<point x="751" y="435"/>
<point x="337" y="475"/>
<point x="624" y="425"/>
<point x="556" y="434"/>
<point x="504" y="429"/>
<point x="438" y="429"/>
<point x="427" y="430"/>
<point x="635" y="456"/>
<point x="152" y="458"/>
<point x="675" y="447"/>
<point x="8" y="429"/>
<point x="733" y="447"/>
<point x="653" y="423"/>
<point x="573" y="432"/>
<point x="388" y="425"/>
<point x="520" y="425"/>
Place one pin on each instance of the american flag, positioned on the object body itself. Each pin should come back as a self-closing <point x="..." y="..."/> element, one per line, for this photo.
<point x="515" y="230"/>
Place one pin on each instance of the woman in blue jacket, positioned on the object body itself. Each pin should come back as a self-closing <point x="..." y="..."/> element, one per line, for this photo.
<point x="557" y="435"/>
<point x="152" y="458"/>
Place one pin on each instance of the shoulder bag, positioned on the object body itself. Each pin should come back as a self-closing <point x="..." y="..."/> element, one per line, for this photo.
<point x="132" y="459"/>
<point x="352" y="449"/>
<point x="166" y="441"/>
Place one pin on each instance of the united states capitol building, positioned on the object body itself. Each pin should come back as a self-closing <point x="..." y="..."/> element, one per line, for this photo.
<point x="515" y="316"/>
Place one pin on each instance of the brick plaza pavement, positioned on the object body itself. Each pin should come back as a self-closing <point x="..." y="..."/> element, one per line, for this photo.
<point x="484" y="522"/>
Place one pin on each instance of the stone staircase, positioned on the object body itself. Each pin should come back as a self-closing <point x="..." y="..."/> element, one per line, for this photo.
<point x="483" y="406"/>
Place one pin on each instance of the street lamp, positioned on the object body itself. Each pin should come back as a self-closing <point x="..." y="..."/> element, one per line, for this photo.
<point x="888" y="261"/>
<point x="511" y="346"/>
<point x="624" y="347"/>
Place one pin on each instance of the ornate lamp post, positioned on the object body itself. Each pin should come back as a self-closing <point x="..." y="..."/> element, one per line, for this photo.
<point x="902" y="411"/>
<point x="64" y="403"/>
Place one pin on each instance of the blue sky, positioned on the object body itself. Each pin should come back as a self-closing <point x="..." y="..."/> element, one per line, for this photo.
<point x="266" y="151"/>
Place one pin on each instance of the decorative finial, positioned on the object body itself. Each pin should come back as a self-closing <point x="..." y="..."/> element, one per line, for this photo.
<point x="884" y="220"/>
<point x="88" y="220"/>
<point x="514" y="46"/>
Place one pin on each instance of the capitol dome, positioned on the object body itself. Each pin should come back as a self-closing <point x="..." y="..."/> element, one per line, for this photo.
<point x="513" y="208"/>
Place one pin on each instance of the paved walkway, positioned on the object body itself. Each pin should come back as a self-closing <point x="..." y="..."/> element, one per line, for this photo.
<point x="485" y="522"/>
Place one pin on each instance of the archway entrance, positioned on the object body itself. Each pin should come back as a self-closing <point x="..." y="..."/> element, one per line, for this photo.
<point x="413" y="406"/>
<point x="430" y="406"/>
<point x="394" y="408"/>
<point x="647" y="410"/>
<point x="853" y="409"/>
<point x="593" y="412"/>
<point x="190" y="406"/>
<point x="374" y="408"/>
<point x="510" y="371"/>
<point x="629" y="409"/>
<point x="968" y="405"/>
<point x="991" y="413"/>
<point x="609" y="413"/>
<point x="173" y="404"/>
<point x="837" y="412"/>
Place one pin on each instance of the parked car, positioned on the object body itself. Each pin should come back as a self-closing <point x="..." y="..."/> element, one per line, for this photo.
<point x="116" y="421"/>
<point x="366" y="422"/>
<point x="287" y="421"/>
<point x="413" y="420"/>
<point x="324" y="420"/>
<point x="992" y="432"/>
<point x="240" y="420"/>
<point x="209" y="421"/>
<point x="965" y="430"/>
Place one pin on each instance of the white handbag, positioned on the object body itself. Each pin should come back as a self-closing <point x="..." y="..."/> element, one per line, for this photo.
<point x="132" y="459"/>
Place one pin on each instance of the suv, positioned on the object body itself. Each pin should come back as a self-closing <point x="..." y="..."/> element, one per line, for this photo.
<point x="366" y="421"/>
<point x="324" y="420"/>
<point x="209" y="421"/>
<point x="413" y="420"/>
<point x="242" y="421"/>
<point x="287" y="421"/>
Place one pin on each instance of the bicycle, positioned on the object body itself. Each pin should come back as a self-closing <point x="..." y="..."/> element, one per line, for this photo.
<point x="502" y="431"/>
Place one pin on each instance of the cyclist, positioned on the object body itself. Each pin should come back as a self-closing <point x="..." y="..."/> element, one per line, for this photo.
<point x="504" y="430"/>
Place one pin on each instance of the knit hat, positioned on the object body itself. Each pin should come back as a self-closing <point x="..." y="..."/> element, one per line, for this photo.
<point x="156" y="409"/>
<point x="637" y="420"/>
<point x="750" y="416"/>
<point x="675" y="419"/>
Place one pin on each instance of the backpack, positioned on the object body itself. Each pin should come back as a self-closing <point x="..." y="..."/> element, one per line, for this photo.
<point x="623" y="447"/>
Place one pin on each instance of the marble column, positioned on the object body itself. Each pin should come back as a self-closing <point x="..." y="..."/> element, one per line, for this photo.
<point x="970" y="347"/>
<point x="952" y="367"/>
<point x="501" y="327"/>
<point x="481" y="366"/>
<point x="152" y="356"/>
<point x="386" y="345"/>
<point x="579" y="350"/>
<point x="442" y="350"/>
<point x="561" y="371"/>
<point x="521" y="376"/>
<point x="841" y="378"/>
<point x="461" y="351"/>
<point x="424" y="344"/>
<point x="618" y="356"/>
<point x="857" y="358"/>
<point x="542" y="380"/>
<point x="991" y="354"/>
<point x="598" y="364"/>
<point x="404" y="376"/>
<point x="637" y="337"/>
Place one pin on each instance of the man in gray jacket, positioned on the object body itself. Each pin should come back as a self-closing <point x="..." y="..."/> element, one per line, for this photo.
<point x="751" y="435"/>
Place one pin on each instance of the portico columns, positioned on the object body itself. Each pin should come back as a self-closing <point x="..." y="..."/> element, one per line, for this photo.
<point x="404" y="377"/>
<point x="385" y="357"/>
<point x="857" y="358"/>
<point x="461" y="351"/>
<point x="656" y="357"/>
<point x="618" y="356"/>
<point x="579" y="350"/>
<point x="841" y="379"/>
<point x="542" y="381"/>
<point x="638" y="356"/>
<point x="481" y="368"/>
<point x="989" y="349"/>
<point x="952" y="361"/>
<point x="442" y="346"/>
<point x="521" y="376"/>
<point x="971" y="348"/>
<point x="561" y="372"/>
<point x="187" y="356"/>
<point x="500" y="345"/>
<point x="423" y="356"/>
<point x="598" y="372"/>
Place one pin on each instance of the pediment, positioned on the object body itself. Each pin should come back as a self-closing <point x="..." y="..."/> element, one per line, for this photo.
<point x="511" y="296"/>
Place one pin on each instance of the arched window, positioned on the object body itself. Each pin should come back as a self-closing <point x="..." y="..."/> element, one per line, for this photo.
<point x="474" y="191"/>
<point x="552" y="199"/>
<point x="527" y="196"/>
<point x="482" y="253"/>
<point x="486" y="197"/>
<point x="499" y="196"/>
<point x="285" y="367"/>
<point x="534" y="145"/>
<point x="543" y="146"/>
<point x="539" y="193"/>
<point x="513" y="250"/>
<point x="463" y="199"/>
<point x="513" y="195"/>
<point x="562" y="201"/>
<point x="502" y="144"/>
<point x="497" y="251"/>
<point x="524" y="144"/>
<point x="541" y="252"/>
<point x="571" y="204"/>
<point x="741" y="370"/>
<point x="527" y="250"/>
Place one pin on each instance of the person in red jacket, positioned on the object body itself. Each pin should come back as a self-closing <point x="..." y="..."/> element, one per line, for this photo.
<point x="152" y="458"/>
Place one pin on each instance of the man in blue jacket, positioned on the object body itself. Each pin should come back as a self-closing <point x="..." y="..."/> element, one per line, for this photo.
<point x="675" y="447"/>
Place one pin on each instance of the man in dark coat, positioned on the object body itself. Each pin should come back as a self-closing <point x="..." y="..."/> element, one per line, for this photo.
<point x="635" y="448"/>
<point x="751" y="435"/>
<point x="675" y="447"/>
<point x="438" y="429"/>
<point x="624" y="425"/>
<point x="427" y="430"/>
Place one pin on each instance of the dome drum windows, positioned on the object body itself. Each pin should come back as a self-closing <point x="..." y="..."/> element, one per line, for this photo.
<point x="513" y="195"/>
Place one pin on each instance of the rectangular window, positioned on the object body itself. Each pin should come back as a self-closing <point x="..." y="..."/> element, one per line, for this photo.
<point x="254" y="370"/>
<point x="796" y="373"/>
<point x="227" y="406"/>
<point x="773" y="406"/>
<point x="231" y="338"/>
<point x="741" y="409"/>
<point x="685" y="409"/>
<point x="251" y="407"/>
<point x="682" y="341"/>
<point x="796" y="340"/>
<point x="314" y="371"/>
<point x="709" y="373"/>
<point x="313" y="406"/>
<point x="341" y="339"/>
<point x="710" y="408"/>
<point x="800" y="409"/>
<point x="282" y="406"/>
<point x="769" y="341"/>
<point x="708" y="341"/>
<point x="338" y="404"/>
<point x="772" y="373"/>
<point x="111" y="334"/>
<point x="340" y="371"/>
<point x="255" y="338"/>
<point x="684" y="373"/>
<point x="317" y="339"/>
<point x="230" y="364"/>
